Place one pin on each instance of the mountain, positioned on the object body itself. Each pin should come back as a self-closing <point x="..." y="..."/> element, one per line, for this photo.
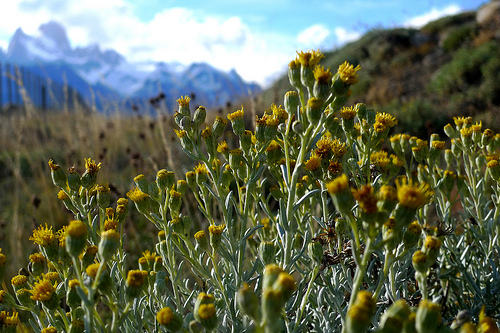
<point x="425" y="76"/>
<point x="106" y="76"/>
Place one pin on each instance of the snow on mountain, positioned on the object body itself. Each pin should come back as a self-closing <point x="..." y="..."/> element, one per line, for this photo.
<point x="107" y="70"/>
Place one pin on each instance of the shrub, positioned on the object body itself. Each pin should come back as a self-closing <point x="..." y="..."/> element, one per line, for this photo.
<point x="317" y="220"/>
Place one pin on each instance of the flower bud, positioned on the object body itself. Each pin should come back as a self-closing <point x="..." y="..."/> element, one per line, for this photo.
<point x="165" y="179"/>
<point x="174" y="202"/>
<point x="218" y="127"/>
<point x="199" y="116"/>
<point x="103" y="196"/>
<point x="315" y="251"/>
<point x="37" y="263"/>
<point x="291" y="102"/>
<point x="141" y="183"/>
<point x="237" y="121"/>
<point x="271" y="273"/>
<point x="76" y="237"/>
<point x="58" y="174"/>
<point x="341" y="194"/>
<point x="314" y="109"/>
<point x="393" y="319"/>
<point x="248" y="302"/>
<point x="431" y="247"/>
<point x="169" y="319"/>
<point x="450" y="131"/>
<point x="89" y="255"/>
<point x="19" y="282"/>
<point x="204" y="311"/>
<point x="72" y="297"/>
<point x="216" y="234"/>
<point x="428" y="318"/>
<point x="412" y="235"/>
<point x="420" y="262"/>
<point x="135" y="282"/>
<point x="201" y="239"/>
<point x="294" y="74"/>
<point x="359" y="314"/>
<point x="267" y="252"/>
<point x="285" y="285"/>
<point x="183" y="102"/>
<point x="73" y="180"/>
<point x="89" y="177"/>
<point x="110" y="241"/>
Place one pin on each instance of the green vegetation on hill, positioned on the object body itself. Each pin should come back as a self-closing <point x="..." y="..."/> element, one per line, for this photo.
<point x="424" y="76"/>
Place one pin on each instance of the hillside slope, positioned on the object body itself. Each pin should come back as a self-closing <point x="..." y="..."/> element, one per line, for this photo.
<point x="425" y="76"/>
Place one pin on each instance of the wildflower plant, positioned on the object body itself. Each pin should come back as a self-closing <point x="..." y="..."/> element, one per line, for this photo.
<point x="318" y="220"/>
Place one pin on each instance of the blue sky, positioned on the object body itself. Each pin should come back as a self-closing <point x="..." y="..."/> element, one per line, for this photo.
<point x="256" y="37"/>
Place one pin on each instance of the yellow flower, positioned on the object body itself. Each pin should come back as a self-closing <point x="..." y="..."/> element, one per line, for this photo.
<point x="476" y="128"/>
<point x="174" y="194"/>
<point x="50" y="329"/>
<point x="461" y="121"/>
<point x="53" y="165"/>
<point x="42" y="290"/>
<point x="165" y="316"/>
<point x="279" y="112"/>
<point x="73" y="283"/>
<point x="432" y="243"/>
<point x="236" y="114"/>
<point x="180" y="133"/>
<point x="337" y="185"/>
<point x="411" y="195"/>
<point x="466" y="131"/>
<point x="19" y="280"/>
<point x="313" y="163"/>
<point x="347" y="112"/>
<point x="310" y="58"/>
<point x="91" y="166"/>
<point x="199" y="235"/>
<point x="201" y="168"/>
<point x="386" y="119"/>
<point x="43" y="236"/>
<point x="206" y="311"/>
<point x="216" y="229"/>
<point x="135" y="278"/>
<point x="380" y="159"/>
<point x="61" y="195"/>
<point x="76" y="228"/>
<point x="487" y="324"/>
<point x="37" y="258"/>
<point x="3" y="258"/>
<point x="12" y="320"/>
<point x="206" y="133"/>
<point x="222" y="147"/>
<point x="439" y="145"/>
<point x="348" y="73"/>
<point x="92" y="269"/>
<point x="334" y="167"/>
<point x="321" y="75"/>
<point x="184" y="101"/>
<point x="366" y="198"/>
<point x="51" y="276"/>
<point x="396" y="161"/>
<point x="273" y="145"/>
<point x="110" y="225"/>
<point x="148" y="256"/>
<point x="137" y="195"/>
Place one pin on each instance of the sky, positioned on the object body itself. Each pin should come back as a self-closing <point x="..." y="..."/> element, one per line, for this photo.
<point x="256" y="37"/>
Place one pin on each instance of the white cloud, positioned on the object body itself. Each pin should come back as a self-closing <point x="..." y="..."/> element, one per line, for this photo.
<point x="313" y="36"/>
<point x="344" y="36"/>
<point x="433" y="14"/>
<point x="173" y="34"/>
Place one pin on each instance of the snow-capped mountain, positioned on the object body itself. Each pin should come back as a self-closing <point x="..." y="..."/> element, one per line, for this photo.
<point x="92" y="70"/>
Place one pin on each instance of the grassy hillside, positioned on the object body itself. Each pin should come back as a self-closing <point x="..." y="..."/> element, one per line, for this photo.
<point x="424" y="76"/>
